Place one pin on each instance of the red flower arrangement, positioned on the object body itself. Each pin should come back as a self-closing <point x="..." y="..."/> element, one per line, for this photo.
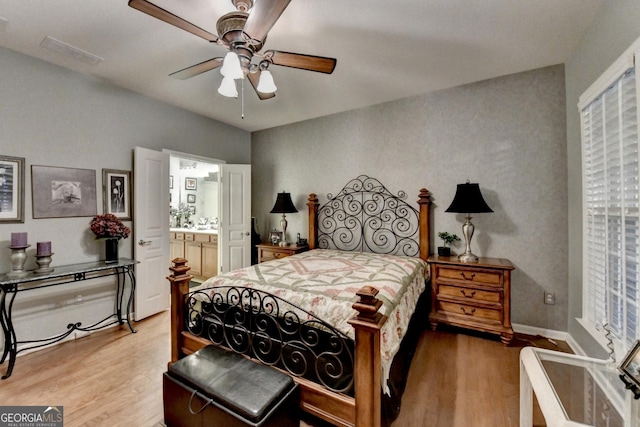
<point x="109" y="226"/>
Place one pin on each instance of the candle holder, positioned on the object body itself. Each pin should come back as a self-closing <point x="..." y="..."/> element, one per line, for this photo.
<point x="43" y="261"/>
<point x="18" y="258"/>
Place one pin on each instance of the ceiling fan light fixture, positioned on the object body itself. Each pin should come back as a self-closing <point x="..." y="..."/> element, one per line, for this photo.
<point x="231" y="66"/>
<point x="228" y="88"/>
<point x="266" y="84"/>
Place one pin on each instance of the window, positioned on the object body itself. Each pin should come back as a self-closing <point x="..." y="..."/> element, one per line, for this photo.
<point x="611" y="194"/>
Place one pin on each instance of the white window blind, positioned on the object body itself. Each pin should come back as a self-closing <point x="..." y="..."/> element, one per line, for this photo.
<point x="611" y="242"/>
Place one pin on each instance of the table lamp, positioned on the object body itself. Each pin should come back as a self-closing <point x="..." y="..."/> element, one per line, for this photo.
<point x="284" y="205"/>
<point x="468" y="200"/>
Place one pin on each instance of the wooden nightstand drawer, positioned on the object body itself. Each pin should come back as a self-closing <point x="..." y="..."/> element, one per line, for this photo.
<point x="269" y="252"/>
<point x="470" y="275"/>
<point x="470" y="294"/>
<point x="470" y="311"/>
<point x="268" y="255"/>
<point x="474" y="295"/>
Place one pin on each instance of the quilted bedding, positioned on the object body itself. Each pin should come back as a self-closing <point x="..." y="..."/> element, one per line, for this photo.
<point x="324" y="283"/>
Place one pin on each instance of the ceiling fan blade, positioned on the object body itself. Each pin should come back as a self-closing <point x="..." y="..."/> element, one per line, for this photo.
<point x="262" y="16"/>
<point x="301" y="61"/>
<point x="168" y="17"/>
<point x="254" y="78"/>
<point x="194" y="70"/>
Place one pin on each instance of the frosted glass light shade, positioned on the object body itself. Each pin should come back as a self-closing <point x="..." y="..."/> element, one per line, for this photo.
<point x="228" y="88"/>
<point x="266" y="83"/>
<point x="231" y="66"/>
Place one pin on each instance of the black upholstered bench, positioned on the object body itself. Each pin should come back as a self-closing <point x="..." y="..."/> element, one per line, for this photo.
<point x="216" y="387"/>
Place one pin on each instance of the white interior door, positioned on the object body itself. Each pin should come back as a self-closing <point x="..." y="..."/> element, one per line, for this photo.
<point x="151" y="231"/>
<point x="235" y="219"/>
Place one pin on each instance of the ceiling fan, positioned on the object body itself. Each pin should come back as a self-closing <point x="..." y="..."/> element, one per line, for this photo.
<point x="242" y="32"/>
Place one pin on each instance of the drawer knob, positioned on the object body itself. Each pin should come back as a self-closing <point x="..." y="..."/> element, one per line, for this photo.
<point x="467" y="278"/>
<point x="467" y="294"/>
<point x="468" y="312"/>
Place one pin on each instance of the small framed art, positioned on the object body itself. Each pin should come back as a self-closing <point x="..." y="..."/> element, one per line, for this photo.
<point x="11" y="189"/>
<point x="116" y="193"/>
<point x="190" y="184"/>
<point x="63" y="192"/>
<point x="630" y="369"/>
<point x="191" y="198"/>
<point x="275" y="236"/>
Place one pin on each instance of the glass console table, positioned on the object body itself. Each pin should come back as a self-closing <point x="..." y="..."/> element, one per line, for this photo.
<point x="574" y="391"/>
<point x="10" y="287"/>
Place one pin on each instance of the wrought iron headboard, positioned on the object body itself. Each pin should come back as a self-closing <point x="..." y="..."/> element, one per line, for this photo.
<point x="365" y="216"/>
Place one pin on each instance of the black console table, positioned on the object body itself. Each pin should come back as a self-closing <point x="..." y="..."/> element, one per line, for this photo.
<point x="10" y="287"/>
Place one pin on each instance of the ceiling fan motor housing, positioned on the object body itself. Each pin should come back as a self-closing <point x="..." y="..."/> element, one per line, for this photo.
<point x="230" y="30"/>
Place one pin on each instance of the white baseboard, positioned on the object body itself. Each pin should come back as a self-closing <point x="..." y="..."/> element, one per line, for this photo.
<point x="550" y="333"/>
<point x="547" y="333"/>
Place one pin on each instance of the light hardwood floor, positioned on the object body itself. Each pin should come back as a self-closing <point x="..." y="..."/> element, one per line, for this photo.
<point x="114" y="378"/>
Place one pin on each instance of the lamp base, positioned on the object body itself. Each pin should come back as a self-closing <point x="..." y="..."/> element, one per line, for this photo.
<point x="467" y="257"/>
<point x="467" y="231"/>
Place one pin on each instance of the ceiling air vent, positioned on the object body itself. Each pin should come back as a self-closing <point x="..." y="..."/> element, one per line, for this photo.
<point x="70" y="51"/>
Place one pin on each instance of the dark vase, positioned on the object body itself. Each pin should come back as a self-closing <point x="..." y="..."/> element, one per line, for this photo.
<point x="444" y="251"/>
<point x="111" y="250"/>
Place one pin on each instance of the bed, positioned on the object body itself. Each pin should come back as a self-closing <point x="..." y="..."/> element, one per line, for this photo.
<point x="348" y="337"/>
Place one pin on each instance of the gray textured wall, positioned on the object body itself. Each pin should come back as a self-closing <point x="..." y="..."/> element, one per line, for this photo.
<point x="55" y="117"/>
<point x="614" y="30"/>
<point x="507" y="133"/>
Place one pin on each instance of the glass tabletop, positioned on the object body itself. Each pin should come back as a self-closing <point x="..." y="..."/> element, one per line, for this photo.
<point x="584" y="392"/>
<point x="67" y="270"/>
<point x="589" y="390"/>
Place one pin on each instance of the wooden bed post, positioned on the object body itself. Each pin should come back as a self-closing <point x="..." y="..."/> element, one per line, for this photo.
<point x="179" y="279"/>
<point x="425" y="222"/>
<point x="313" y="220"/>
<point x="368" y="386"/>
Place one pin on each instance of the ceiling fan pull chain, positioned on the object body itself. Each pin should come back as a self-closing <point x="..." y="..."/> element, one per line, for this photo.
<point x="242" y="97"/>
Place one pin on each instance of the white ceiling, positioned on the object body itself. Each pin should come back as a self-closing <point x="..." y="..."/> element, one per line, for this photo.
<point x="385" y="49"/>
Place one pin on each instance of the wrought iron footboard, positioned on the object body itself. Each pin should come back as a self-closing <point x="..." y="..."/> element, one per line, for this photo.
<point x="275" y="332"/>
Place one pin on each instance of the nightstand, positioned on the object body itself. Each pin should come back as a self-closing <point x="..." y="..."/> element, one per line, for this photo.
<point x="472" y="295"/>
<point x="268" y="252"/>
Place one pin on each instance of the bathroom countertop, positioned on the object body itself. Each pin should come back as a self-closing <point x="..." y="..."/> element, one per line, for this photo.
<point x="194" y="230"/>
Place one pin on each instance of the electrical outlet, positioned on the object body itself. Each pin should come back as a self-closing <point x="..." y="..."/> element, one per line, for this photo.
<point x="549" y="298"/>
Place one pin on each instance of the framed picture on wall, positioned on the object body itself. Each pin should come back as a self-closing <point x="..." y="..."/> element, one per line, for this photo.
<point x="116" y="193"/>
<point x="11" y="189"/>
<point x="275" y="236"/>
<point x="63" y="192"/>
<point x="191" y="198"/>
<point x="630" y="369"/>
<point x="190" y="184"/>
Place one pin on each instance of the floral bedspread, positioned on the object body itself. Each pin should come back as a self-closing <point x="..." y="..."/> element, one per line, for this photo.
<point x="324" y="283"/>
